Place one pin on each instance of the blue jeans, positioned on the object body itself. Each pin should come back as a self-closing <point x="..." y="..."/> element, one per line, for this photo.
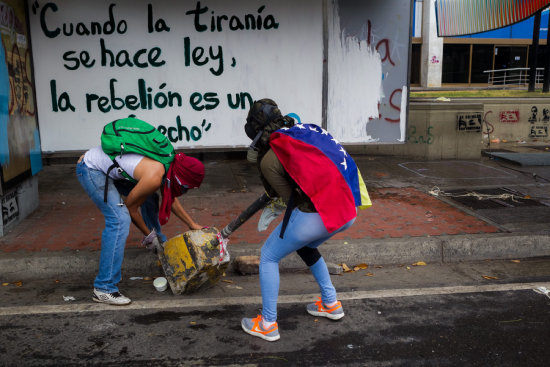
<point x="117" y="226"/>
<point x="303" y="229"/>
<point x="149" y="209"/>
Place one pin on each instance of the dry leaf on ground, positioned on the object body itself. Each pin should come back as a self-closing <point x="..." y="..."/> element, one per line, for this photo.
<point x="346" y="268"/>
<point x="489" y="277"/>
<point x="419" y="263"/>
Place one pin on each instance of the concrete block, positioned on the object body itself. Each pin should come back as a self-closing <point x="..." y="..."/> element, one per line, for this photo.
<point x="334" y="269"/>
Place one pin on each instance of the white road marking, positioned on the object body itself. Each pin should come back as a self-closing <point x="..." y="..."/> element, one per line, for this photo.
<point x="228" y="301"/>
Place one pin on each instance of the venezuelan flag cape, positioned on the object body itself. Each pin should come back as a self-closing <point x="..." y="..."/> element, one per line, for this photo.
<point x="323" y="170"/>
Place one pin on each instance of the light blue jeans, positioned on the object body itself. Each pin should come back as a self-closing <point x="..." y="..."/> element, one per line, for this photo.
<point x="117" y="226"/>
<point x="303" y="229"/>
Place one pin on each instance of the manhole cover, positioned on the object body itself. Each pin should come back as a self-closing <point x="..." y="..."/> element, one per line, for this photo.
<point x="491" y="198"/>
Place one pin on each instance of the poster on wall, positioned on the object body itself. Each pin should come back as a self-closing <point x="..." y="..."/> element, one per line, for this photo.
<point x="368" y="70"/>
<point x="190" y="68"/>
<point x="19" y="138"/>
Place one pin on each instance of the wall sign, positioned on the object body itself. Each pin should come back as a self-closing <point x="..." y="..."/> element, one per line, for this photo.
<point x="509" y="116"/>
<point x="469" y="121"/>
<point x="10" y="209"/>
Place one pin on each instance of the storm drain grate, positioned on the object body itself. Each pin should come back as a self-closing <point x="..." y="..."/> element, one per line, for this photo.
<point x="491" y="198"/>
<point x="544" y="148"/>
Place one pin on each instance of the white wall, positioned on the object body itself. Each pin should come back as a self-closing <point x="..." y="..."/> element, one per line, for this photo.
<point x="284" y="63"/>
<point x="368" y="70"/>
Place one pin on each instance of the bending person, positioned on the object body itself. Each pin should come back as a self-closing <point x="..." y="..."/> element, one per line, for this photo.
<point x="137" y="203"/>
<point x="313" y="174"/>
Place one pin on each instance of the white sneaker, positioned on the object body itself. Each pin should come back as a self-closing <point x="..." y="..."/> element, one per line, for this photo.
<point x="115" y="298"/>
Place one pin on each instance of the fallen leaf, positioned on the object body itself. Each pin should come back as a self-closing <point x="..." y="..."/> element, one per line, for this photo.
<point x="360" y="266"/>
<point x="57" y="280"/>
<point x="18" y="284"/>
<point x="408" y="268"/>
<point x="192" y="322"/>
<point x="231" y="286"/>
<point x="369" y="274"/>
<point x="346" y="268"/>
<point x="378" y="266"/>
<point x="489" y="277"/>
<point x="5" y="284"/>
<point x="227" y="281"/>
<point x="515" y="261"/>
<point x="147" y="278"/>
<point x="527" y="197"/>
<point x="420" y="263"/>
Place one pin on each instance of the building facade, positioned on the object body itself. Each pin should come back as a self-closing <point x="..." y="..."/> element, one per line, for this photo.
<point x="466" y="60"/>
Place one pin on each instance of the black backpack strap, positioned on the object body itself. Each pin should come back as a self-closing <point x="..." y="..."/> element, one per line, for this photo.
<point x="289" y="208"/>
<point x="114" y="165"/>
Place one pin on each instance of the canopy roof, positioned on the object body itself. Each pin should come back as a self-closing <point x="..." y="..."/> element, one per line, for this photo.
<point x="462" y="17"/>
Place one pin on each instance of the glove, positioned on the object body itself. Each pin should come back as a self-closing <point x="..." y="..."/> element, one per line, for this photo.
<point x="270" y="212"/>
<point x="151" y="241"/>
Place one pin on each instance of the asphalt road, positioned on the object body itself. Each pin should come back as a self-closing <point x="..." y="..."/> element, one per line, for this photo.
<point x="469" y="314"/>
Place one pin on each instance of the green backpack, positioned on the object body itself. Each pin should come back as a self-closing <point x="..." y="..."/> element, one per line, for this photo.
<point x="131" y="135"/>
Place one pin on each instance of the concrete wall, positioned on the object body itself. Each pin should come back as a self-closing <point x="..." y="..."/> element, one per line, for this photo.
<point x="18" y="203"/>
<point x="456" y="129"/>
<point x="521" y="123"/>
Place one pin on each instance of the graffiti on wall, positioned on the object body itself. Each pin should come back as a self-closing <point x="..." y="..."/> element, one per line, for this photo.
<point x="469" y="122"/>
<point x="539" y="118"/>
<point x="10" y="209"/>
<point x="19" y="139"/>
<point x="368" y="54"/>
<point x="509" y="116"/>
<point x="416" y="137"/>
<point x="191" y="68"/>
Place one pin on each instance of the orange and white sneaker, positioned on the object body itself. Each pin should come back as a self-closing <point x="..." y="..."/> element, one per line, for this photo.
<point x="255" y="327"/>
<point x="318" y="308"/>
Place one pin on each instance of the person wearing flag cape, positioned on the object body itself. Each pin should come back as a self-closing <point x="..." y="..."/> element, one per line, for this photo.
<point x="308" y="169"/>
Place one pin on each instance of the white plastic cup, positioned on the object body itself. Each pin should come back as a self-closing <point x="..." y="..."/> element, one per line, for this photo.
<point x="160" y="284"/>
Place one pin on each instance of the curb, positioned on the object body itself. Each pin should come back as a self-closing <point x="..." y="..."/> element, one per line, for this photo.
<point x="436" y="249"/>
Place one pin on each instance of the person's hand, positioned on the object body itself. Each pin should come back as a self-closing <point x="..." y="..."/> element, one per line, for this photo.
<point x="275" y="207"/>
<point x="151" y="241"/>
<point x="196" y="226"/>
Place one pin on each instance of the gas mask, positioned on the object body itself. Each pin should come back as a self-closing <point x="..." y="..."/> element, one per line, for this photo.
<point x="260" y="115"/>
<point x="252" y="152"/>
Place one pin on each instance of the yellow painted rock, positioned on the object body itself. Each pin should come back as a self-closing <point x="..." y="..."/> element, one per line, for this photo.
<point x="191" y="261"/>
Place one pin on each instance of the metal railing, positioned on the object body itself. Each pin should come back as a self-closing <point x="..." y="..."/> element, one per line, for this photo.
<point x="513" y="76"/>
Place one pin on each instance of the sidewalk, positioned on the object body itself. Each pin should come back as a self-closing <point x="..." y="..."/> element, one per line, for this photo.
<point x="406" y="223"/>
